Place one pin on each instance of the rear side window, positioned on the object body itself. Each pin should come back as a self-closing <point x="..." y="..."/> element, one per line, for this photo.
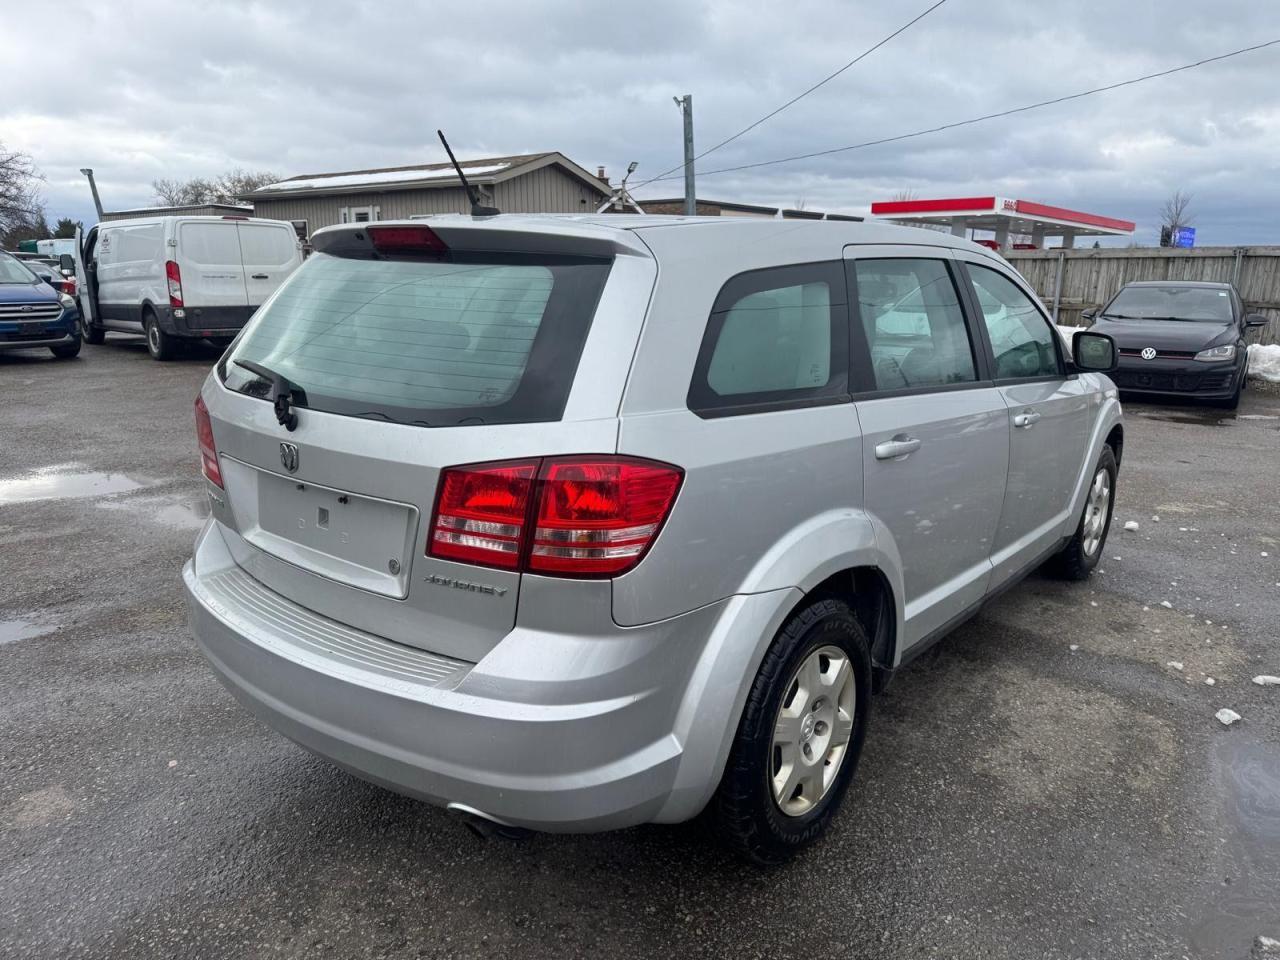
<point x="910" y="314"/>
<point x="1021" y="341"/>
<point x="266" y="246"/>
<point x="775" y="338"/>
<point x="212" y="244"/>
<point x="468" y="340"/>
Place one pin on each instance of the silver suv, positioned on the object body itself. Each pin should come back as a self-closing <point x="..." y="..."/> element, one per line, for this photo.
<point x="575" y="523"/>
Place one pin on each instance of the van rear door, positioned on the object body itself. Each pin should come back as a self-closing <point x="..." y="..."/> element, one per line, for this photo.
<point x="269" y="252"/>
<point x="208" y="256"/>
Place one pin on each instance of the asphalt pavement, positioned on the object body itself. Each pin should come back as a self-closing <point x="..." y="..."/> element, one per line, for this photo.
<point x="1041" y="784"/>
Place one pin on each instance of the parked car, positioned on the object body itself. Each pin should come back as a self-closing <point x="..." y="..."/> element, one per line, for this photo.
<point x="50" y="271"/>
<point x="1179" y="337"/>
<point x="34" y="314"/>
<point x="181" y="278"/>
<point x="573" y="524"/>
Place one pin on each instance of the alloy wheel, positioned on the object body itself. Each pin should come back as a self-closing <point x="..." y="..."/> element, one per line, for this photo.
<point x="1095" y="512"/>
<point x="812" y="730"/>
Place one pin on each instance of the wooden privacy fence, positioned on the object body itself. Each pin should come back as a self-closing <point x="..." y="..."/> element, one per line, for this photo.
<point x="1078" y="280"/>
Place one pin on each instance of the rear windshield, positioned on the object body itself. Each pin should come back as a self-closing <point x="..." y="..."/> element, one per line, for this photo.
<point x="468" y="340"/>
<point x="1205" y="304"/>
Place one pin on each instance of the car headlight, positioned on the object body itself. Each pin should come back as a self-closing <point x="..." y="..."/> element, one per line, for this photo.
<point x="1224" y="352"/>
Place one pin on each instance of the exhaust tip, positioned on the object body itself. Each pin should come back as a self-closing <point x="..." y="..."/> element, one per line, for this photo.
<point x="483" y="826"/>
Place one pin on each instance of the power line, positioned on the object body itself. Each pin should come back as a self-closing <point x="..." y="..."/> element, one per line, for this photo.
<point x="800" y="96"/>
<point x="989" y="116"/>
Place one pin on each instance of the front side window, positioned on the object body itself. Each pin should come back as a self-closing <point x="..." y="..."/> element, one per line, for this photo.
<point x="1021" y="340"/>
<point x="774" y="336"/>
<point x="910" y="314"/>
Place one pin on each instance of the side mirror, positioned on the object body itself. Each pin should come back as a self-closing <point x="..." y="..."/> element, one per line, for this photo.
<point x="1255" y="320"/>
<point x="1094" y="352"/>
<point x="67" y="263"/>
<point x="1089" y="314"/>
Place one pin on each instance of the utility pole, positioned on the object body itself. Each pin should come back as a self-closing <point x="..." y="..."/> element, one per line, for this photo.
<point x="690" y="195"/>
<point x="88" y="172"/>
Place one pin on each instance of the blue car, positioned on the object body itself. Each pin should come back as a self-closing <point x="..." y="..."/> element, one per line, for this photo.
<point x="33" y="314"/>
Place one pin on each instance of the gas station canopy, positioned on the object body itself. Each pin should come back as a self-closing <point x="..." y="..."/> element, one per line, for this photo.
<point x="1003" y="216"/>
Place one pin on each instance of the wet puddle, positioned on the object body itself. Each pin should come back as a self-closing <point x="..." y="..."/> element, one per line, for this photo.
<point x="11" y="631"/>
<point x="181" y="513"/>
<point x="1250" y="776"/>
<point x="64" y="482"/>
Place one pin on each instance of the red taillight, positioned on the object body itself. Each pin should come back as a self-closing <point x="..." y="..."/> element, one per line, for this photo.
<point x="406" y="240"/>
<point x="481" y="511"/>
<point x="562" y="516"/>
<point x="208" y="451"/>
<point x="175" y="283"/>
<point x="598" y="515"/>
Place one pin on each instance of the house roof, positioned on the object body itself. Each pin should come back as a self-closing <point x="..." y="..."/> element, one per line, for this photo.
<point x="422" y="176"/>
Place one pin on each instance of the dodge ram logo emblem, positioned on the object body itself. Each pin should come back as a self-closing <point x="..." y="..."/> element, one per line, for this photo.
<point x="1148" y="353"/>
<point x="289" y="456"/>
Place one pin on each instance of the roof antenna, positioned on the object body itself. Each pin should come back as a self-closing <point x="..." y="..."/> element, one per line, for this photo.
<point x="477" y="208"/>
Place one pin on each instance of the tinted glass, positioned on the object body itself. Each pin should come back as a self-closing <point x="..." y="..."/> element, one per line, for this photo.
<point x="915" y="330"/>
<point x="214" y="244"/>
<point x="774" y="340"/>
<point x="1021" y="339"/>
<point x="1202" y="304"/>
<point x="436" y="343"/>
<point x="268" y="246"/>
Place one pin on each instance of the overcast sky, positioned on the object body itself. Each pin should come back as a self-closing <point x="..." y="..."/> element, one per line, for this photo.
<point x="177" y="89"/>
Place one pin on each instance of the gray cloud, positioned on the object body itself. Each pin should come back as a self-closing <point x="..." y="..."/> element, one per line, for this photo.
<point x="163" y="89"/>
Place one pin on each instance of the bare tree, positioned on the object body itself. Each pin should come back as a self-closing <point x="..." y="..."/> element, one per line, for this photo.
<point x="21" y="205"/>
<point x="902" y="196"/>
<point x="224" y="188"/>
<point x="1176" y="211"/>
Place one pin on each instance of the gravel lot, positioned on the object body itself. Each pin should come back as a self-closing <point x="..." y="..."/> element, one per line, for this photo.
<point x="1041" y="784"/>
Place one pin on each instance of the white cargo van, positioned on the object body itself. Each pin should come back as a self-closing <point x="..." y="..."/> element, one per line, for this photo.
<point x="180" y="277"/>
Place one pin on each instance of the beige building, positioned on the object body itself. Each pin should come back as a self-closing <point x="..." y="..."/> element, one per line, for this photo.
<point x="529" y="183"/>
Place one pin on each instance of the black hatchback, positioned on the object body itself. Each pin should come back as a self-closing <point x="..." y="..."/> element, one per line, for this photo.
<point x="1184" y="338"/>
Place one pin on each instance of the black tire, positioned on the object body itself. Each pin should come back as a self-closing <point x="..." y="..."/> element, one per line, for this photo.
<point x="743" y="809"/>
<point x="67" y="351"/>
<point x="1075" y="562"/>
<point x="160" y="345"/>
<point x="91" y="333"/>
<point x="1234" y="401"/>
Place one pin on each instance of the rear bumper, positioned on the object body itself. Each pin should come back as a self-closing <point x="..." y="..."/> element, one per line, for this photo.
<point x="1188" y="378"/>
<point x="203" y="322"/>
<point x="590" y="744"/>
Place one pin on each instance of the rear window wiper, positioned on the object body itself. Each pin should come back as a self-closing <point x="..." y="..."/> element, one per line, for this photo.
<point x="283" y="392"/>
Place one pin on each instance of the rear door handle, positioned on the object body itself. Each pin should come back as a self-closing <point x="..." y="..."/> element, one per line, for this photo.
<point x="259" y="276"/>
<point x="1025" y="420"/>
<point x="897" y="448"/>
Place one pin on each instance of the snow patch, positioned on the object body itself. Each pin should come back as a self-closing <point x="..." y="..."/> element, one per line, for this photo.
<point x="1264" y="361"/>
<point x="1266" y="680"/>
<point x="1226" y="716"/>
<point x="386" y="176"/>
<point x="1166" y="604"/>
<point x="1131" y="526"/>
<point x="1176" y="664"/>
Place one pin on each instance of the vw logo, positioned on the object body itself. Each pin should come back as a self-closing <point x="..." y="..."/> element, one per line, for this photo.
<point x="1148" y="353"/>
<point x="289" y="456"/>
